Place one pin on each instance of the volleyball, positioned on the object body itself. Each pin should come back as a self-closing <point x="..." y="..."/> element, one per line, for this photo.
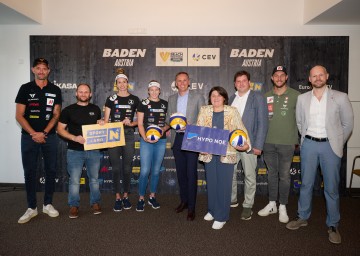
<point x="153" y="132"/>
<point x="177" y="121"/>
<point x="237" y="138"/>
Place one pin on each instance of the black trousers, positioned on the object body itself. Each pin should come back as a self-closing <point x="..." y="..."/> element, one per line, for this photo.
<point x="186" y="170"/>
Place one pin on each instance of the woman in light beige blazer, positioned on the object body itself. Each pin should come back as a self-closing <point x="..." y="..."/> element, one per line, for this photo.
<point x="219" y="169"/>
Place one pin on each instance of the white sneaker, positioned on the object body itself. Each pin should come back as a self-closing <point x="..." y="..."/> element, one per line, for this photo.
<point x="283" y="217"/>
<point x="50" y="210"/>
<point x="218" y="224"/>
<point x="269" y="209"/>
<point x="234" y="204"/>
<point x="30" y="213"/>
<point x="208" y="217"/>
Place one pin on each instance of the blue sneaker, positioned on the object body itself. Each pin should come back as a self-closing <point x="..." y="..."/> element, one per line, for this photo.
<point x="126" y="203"/>
<point x="153" y="203"/>
<point x="118" y="205"/>
<point x="140" y="205"/>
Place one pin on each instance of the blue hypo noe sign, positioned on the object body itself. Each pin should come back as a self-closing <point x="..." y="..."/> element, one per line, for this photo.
<point x="205" y="139"/>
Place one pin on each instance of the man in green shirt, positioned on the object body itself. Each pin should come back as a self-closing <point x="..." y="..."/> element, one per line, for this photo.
<point x="280" y="142"/>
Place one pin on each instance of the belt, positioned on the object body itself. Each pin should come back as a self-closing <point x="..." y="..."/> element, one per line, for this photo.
<point x="316" y="139"/>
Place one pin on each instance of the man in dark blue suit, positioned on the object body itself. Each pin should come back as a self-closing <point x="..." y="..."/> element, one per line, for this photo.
<point x="188" y="103"/>
<point x="254" y="114"/>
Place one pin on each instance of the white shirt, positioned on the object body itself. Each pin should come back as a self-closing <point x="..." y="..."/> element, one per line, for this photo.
<point x="316" y="122"/>
<point x="240" y="102"/>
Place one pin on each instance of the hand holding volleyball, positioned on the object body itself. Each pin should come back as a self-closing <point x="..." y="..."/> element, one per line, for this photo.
<point x="237" y="138"/>
<point x="177" y="121"/>
<point x="153" y="132"/>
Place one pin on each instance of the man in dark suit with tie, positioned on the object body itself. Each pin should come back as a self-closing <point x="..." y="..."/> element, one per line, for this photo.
<point x="188" y="103"/>
<point x="254" y="114"/>
<point x="325" y="121"/>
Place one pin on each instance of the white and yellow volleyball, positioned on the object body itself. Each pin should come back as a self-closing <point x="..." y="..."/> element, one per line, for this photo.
<point x="177" y="121"/>
<point x="237" y="138"/>
<point x="153" y="132"/>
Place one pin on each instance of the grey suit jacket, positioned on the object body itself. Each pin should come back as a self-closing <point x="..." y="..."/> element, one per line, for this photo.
<point x="195" y="102"/>
<point x="339" y="120"/>
<point x="255" y="118"/>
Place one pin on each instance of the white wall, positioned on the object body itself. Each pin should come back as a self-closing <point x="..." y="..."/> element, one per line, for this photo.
<point x="159" y="18"/>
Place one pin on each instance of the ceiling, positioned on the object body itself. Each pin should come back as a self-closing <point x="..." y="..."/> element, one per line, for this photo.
<point x="347" y="12"/>
<point x="9" y="16"/>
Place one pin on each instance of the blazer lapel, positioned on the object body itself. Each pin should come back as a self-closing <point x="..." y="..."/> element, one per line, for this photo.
<point x="329" y="104"/>
<point x="307" y="107"/>
<point x="188" y="105"/>
<point x="226" y="119"/>
<point x="248" y="105"/>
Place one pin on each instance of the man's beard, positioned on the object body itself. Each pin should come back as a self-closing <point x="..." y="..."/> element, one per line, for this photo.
<point x="280" y="85"/>
<point x="317" y="85"/>
<point x="83" y="100"/>
<point x="42" y="77"/>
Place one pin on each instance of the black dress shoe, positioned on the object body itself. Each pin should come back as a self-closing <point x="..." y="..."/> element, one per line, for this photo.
<point x="181" y="207"/>
<point x="191" y="215"/>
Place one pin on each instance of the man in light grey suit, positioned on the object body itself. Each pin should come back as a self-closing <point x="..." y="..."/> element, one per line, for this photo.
<point x="254" y="114"/>
<point x="188" y="103"/>
<point x="325" y="121"/>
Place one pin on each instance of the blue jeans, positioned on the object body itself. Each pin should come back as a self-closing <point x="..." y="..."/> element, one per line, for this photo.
<point x="30" y="153"/>
<point x="312" y="154"/>
<point x="75" y="162"/>
<point x="278" y="159"/>
<point x="151" y="158"/>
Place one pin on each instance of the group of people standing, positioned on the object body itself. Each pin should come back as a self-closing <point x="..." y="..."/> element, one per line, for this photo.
<point x="322" y="116"/>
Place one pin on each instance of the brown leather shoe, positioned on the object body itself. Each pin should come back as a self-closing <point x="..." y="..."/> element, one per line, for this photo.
<point x="96" y="209"/>
<point x="182" y="206"/>
<point x="191" y="215"/>
<point x="74" y="212"/>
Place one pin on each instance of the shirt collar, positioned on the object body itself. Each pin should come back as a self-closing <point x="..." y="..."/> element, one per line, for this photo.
<point x="246" y="94"/>
<point x="187" y="93"/>
<point x="324" y="94"/>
